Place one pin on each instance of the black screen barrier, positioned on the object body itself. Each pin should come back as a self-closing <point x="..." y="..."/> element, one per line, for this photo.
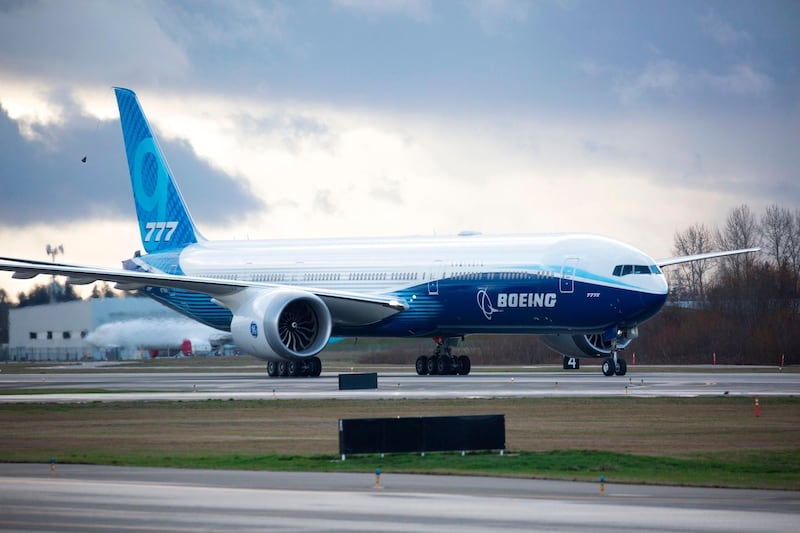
<point x="358" y="381"/>
<point x="422" y="434"/>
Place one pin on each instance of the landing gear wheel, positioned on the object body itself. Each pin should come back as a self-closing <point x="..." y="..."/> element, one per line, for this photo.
<point x="422" y="365"/>
<point x="293" y="368"/>
<point x="272" y="368"/>
<point x="464" y="365"/>
<point x="443" y="365"/>
<point x="314" y="367"/>
<point x="283" y="369"/>
<point x="432" y="365"/>
<point x="608" y="367"/>
<point x="622" y="367"/>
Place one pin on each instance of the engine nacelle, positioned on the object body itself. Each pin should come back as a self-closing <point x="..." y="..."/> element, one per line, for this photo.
<point x="595" y="345"/>
<point x="282" y="324"/>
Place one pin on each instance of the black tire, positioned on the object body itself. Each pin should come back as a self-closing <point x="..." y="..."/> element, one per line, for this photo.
<point x="464" y="365"/>
<point x="608" y="367"/>
<point x="422" y="365"/>
<point x="432" y="364"/>
<point x="622" y="367"/>
<point x="315" y="367"/>
<point x="272" y="368"/>
<point x="283" y="370"/>
<point x="443" y="365"/>
<point x="293" y="368"/>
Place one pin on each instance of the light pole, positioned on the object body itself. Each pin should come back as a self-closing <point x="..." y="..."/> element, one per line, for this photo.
<point x="53" y="251"/>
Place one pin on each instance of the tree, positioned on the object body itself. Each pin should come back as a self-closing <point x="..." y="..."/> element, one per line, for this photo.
<point x="741" y="231"/>
<point x="778" y="242"/>
<point x="4" y="305"/>
<point x="777" y="226"/>
<point x="43" y="294"/>
<point x="696" y="239"/>
<point x="103" y="290"/>
<point x="793" y="249"/>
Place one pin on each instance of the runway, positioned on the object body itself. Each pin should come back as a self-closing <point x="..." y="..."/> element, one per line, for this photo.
<point x="95" y="498"/>
<point x="186" y="386"/>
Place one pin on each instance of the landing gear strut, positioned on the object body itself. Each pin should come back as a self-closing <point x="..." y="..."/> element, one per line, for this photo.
<point x="311" y="367"/>
<point x="443" y="361"/>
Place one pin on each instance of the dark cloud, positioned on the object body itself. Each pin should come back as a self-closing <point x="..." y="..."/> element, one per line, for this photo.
<point x="45" y="180"/>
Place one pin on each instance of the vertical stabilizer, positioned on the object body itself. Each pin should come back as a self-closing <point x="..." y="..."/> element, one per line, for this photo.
<point x="164" y="220"/>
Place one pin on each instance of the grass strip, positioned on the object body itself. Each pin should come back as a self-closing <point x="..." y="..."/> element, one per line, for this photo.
<point x="770" y="470"/>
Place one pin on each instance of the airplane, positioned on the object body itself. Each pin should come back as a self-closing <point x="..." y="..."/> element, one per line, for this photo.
<point x="284" y="300"/>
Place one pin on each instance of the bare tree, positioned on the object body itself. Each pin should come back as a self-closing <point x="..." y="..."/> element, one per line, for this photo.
<point x="696" y="239"/>
<point x="793" y="249"/>
<point x="777" y="226"/>
<point x="740" y="231"/>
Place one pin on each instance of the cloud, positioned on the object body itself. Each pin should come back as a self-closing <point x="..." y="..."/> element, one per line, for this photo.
<point x="740" y="79"/>
<point x="89" y="41"/>
<point x="45" y="180"/>
<point x="418" y="10"/>
<point x="661" y="77"/>
<point x="492" y="15"/>
<point x="667" y="79"/>
<point x="721" y="31"/>
<point x="225" y="23"/>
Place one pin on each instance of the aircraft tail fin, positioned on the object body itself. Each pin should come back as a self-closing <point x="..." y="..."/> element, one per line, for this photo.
<point x="164" y="220"/>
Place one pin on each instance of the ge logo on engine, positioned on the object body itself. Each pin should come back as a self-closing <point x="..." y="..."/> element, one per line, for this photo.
<point x="253" y="329"/>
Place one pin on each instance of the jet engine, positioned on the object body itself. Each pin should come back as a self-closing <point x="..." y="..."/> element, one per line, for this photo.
<point x="283" y="323"/>
<point x="594" y="345"/>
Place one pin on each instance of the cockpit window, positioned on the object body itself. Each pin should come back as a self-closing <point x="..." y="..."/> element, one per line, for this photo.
<point x="624" y="270"/>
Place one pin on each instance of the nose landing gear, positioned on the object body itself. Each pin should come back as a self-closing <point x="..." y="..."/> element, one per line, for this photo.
<point x="615" y="365"/>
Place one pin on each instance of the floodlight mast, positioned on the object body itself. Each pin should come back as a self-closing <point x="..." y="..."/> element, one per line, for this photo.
<point x="54" y="250"/>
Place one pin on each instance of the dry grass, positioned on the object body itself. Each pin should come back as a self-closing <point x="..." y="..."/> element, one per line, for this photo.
<point x="632" y="425"/>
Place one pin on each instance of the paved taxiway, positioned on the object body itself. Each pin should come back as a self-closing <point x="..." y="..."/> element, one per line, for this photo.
<point x="137" y="386"/>
<point x="94" y="498"/>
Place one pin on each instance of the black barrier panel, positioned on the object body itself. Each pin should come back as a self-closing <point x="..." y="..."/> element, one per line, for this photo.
<point x="400" y="434"/>
<point x="358" y="381"/>
<point x="422" y="434"/>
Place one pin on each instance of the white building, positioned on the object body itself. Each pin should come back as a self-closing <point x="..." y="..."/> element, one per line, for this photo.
<point x="57" y="332"/>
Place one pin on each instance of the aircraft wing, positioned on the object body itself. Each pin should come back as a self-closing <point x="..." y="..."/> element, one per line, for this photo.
<point x="345" y="307"/>
<point x="699" y="257"/>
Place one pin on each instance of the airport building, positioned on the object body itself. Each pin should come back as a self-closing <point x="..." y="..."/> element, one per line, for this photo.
<point x="58" y="332"/>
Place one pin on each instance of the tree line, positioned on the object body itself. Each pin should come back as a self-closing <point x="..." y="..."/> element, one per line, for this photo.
<point x="744" y="308"/>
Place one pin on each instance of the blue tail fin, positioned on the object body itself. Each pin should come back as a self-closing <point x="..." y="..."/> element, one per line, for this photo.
<point x="164" y="221"/>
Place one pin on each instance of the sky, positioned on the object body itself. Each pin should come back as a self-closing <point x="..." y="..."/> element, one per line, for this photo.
<point x="349" y="118"/>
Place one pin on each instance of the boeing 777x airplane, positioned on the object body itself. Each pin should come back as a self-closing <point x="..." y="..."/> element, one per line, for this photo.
<point x="283" y="300"/>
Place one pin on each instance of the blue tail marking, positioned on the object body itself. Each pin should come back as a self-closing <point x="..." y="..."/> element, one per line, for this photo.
<point x="164" y="220"/>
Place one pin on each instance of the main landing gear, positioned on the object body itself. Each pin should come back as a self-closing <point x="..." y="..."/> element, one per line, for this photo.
<point x="311" y="367"/>
<point x="615" y="365"/>
<point x="443" y="361"/>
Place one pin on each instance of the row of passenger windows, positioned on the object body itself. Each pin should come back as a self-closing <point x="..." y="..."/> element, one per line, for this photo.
<point x="325" y="276"/>
<point x="624" y="270"/>
<point x="392" y="276"/>
<point x="477" y="276"/>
